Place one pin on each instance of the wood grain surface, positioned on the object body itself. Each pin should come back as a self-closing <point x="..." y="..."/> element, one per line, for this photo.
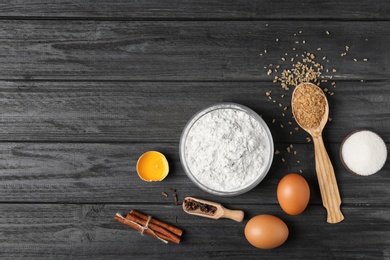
<point x="105" y="173"/>
<point x="126" y="111"/>
<point x="88" y="231"/>
<point x="199" y="9"/>
<point x="87" y="86"/>
<point x="203" y="50"/>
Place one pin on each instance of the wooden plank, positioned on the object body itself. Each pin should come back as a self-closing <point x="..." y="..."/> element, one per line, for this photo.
<point x="105" y="173"/>
<point x="201" y="9"/>
<point x="185" y="51"/>
<point x="89" y="231"/>
<point x="158" y="112"/>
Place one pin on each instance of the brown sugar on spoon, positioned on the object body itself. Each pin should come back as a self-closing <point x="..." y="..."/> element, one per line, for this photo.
<point x="309" y="106"/>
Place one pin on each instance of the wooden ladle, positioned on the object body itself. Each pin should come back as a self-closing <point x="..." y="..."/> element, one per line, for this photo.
<point x="325" y="173"/>
<point x="219" y="210"/>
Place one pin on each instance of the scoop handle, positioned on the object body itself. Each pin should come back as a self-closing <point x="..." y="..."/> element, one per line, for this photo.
<point x="327" y="181"/>
<point x="236" y="215"/>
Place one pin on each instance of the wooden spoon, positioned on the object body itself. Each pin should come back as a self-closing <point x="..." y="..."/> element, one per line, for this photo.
<point x="325" y="173"/>
<point x="220" y="211"/>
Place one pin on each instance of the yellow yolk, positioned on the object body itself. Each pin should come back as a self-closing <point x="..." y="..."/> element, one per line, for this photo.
<point x="152" y="166"/>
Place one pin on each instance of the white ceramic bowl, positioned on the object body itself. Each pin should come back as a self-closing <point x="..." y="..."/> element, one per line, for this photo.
<point x="260" y="175"/>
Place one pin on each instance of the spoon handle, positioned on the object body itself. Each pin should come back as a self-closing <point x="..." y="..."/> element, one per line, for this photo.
<point x="327" y="181"/>
<point x="236" y="215"/>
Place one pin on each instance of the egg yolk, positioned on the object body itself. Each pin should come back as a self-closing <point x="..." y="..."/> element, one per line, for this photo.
<point x="152" y="166"/>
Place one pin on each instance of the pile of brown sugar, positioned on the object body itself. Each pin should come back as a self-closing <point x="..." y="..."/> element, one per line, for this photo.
<point x="309" y="105"/>
<point x="302" y="63"/>
<point x="295" y="66"/>
<point x="306" y="70"/>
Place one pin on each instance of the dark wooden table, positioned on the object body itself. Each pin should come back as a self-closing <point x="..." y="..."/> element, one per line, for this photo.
<point x="87" y="87"/>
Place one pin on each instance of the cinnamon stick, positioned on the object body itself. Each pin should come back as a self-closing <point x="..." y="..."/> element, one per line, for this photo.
<point x="156" y="228"/>
<point x="173" y="229"/>
<point x="147" y="231"/>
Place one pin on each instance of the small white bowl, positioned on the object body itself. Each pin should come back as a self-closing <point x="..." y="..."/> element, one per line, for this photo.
<point x="345" y="164"/>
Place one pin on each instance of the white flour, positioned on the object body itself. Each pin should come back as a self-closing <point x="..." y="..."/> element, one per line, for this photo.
<point x="226" y="149"/>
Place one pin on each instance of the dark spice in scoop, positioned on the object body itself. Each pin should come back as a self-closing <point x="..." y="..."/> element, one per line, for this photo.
<point x="192" y="205"/>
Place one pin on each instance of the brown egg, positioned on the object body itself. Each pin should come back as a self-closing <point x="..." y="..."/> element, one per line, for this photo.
<point x="293" y="194"/>
<point x="266" y="231"/>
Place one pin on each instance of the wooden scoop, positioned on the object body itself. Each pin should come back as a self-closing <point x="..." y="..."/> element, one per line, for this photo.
<point x="215" y="211"/>
<point x="325" y="172"/>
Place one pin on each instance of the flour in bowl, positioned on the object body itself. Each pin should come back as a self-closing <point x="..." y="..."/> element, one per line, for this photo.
<point x="227" y="149"/>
